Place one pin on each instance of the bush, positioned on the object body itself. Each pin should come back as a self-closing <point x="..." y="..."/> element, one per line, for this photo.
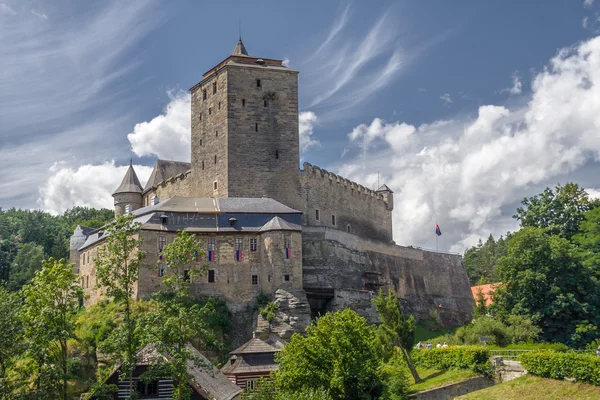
<point x="395" y="377"/>
<point x="560" y="347"/>
<point x="474" y="358"/>
<point x="550" y="364"/>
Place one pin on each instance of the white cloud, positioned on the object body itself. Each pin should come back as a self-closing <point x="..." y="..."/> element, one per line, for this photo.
<point x="584" y="22"/>
<point x="166" y="136"/>
<point x="517" y="86"/>
<point x="87" y="185"/>
<point x="286" y="62"/>
<point x="39" y="14"/>
<point x="446" y="97"/>
<point x="588" y="3"/>
<point x="306" y="123"/>
<point x="5" y="9"/>
<point x="469" y="173"/>
<point x="594" y="193"/>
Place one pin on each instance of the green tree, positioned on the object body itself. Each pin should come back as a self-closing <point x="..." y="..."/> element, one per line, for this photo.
<point x="559" y="211"/>
<point x="50" y="311"/>
<point x="117" y="270"/>
<point x="28" y="260"/>
<point x="338" y="355"/>
<point x="8" y="251"/>
<point x="481" y="260"/>
<point x="179" y="320"/>
<point x="396" y="330"/>
<point x="543" y="278"/>
<point x="11" y="337"/>
<point x="588" y="239"/>
<point x="480" y="306"/>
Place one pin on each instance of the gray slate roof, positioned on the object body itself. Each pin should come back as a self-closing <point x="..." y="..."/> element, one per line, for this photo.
<point x="279" y="224"/>
<point x="164" y="169"/>
<point x="130" y="183"/>
<point x="239" y="49"/>
<point x="255" y="345"/>
<point x="384" y="188"/>
<point x="212" y="205"/>
<point x="206" y="379"/>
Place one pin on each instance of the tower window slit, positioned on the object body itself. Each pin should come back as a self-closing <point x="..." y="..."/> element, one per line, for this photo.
<point x="243" y="102"/>
<point x="258" y="83"/>
<point x="256" y="127"/>
<point x="277" y="154"/>
<point x="215" y="158"/>
<point x="214" y="87"/>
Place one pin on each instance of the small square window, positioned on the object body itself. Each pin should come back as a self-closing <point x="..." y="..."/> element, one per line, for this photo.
<point x="258" y="83"/>
<point x="255" y="279"/>
<point x="317" y="215"/>
<point x="214" y="87"/>
<point x="253" y="245"/>
<point x="286" y="278"/>
<point x="215" y="185"/>
<point x="333" y="219"/>
<point x="162" y="241"/>
<point x="211" y="276"/>
<point x="186" y="275"/>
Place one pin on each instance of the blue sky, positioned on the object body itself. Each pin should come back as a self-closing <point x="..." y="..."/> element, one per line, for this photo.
<point x="463" y="107"/>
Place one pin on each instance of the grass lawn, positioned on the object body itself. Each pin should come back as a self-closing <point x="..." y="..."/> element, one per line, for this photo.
<point x="429" y="329"/>
<point x="433" y="378"/>
<point x="533" y="388"/>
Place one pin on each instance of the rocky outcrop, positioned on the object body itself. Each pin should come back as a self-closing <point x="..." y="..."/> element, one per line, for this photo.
<point x="292" y="315"/>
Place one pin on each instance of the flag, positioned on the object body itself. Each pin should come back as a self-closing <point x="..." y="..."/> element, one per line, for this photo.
<point x="437" y="230"/>
<point x="288" y="253"/>
<point x="211" y="255"/>
<point x="238" y="255"/>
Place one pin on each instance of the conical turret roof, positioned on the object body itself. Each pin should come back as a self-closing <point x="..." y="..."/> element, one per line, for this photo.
<point x="239" y="49"/>
<point x="130" y="183"/>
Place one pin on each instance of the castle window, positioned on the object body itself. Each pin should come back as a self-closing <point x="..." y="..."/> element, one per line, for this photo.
<point x="145" y="389"/>
<point x="211" y="276"/>
<point x="317" y="215"/>
<point x="287" y="243"/>
<point x="204" y="94"/>
<point x="215" y="185"/>
<point x="258" y="83"/>
<point x="219" y="105"/>
<point x="214" y="87"/>
<point x="286" y="278"/>
<point x="265" y="103"/>
<point x="251" y="384"/>
<point x="255" y="279"/>
<point x="155" y="200"/>
<point x="186" y="275"/>
<point x="215" y="158"/>
<point x="128" y="208"/>
<point x="200" y="142"/>
<point x="256" y="127"/>
<point x="333" y="219"/>
<point x="87" y="281"/>
<point x="243" y="102"/>
<point x="202" y="164"/>
<point x="253" y="245"/>
<point x="210" y="248"/>
<point x="239" y="246"/>
<point x="277" y="154"/>
<point x="162" y="241"/>
<point x="348" y="228"/>
<point x="269" y="277"/>
<point x="200" y="117"/>
<point x="161" y="269"/>
<point x="216" y="133"/>
<point x="209" y="111"/>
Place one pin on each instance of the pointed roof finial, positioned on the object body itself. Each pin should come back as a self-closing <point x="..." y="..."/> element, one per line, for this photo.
<point x="131" y="162"/>
<point x="239" y="49"/>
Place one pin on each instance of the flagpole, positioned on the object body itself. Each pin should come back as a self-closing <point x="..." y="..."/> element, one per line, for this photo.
<point x="436" y="242"/>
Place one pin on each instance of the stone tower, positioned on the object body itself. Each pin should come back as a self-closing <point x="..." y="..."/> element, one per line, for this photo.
<point x="245" y="130"/>
<point x="128" y="196"/>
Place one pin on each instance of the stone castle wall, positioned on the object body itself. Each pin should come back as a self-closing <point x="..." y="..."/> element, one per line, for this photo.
<point x="357" y="209"/>
<point x="179" y="185"/>
<point x="350" y="269"/>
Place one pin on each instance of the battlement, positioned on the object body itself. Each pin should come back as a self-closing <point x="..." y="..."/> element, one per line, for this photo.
<point x="173" y="180"/>
<point x="355" y="188"/>
<point x="337" y="202"/>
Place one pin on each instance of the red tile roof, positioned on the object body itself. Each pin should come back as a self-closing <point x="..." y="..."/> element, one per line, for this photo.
<point x="486" y="290"/>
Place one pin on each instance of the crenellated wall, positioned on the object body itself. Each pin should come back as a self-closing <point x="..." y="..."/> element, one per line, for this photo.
<point x="357" y="209"/>
<point x="179" y="185"/>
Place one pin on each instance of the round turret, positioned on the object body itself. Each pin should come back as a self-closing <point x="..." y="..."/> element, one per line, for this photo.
<point x="128" y="196"/>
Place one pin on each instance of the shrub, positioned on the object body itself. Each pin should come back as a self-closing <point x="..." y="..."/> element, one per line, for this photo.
<point x="474" y="358"/>
<point x="395" y="377"/>
<point x="550" y="364"/>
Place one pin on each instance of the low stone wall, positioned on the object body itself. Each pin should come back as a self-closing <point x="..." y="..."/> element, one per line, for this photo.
<point x="454" y="390"/>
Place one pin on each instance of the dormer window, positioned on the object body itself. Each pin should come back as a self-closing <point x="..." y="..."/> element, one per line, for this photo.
<point x="164" y="219"/>
<point x="155" y="200"/>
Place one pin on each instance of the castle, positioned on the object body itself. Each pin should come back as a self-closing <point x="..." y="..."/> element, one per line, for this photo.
<point x="267" y="224"/>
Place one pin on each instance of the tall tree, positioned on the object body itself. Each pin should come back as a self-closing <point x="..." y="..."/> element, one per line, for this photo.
<point x="28" y="260"/>
<point x="543" y="277"/>
<point x="338" y="355"/>
<point x="559" y="211"/>
<point x="50" y="311"/>
<point x="396" y="330"/>
<point x="588" y="239"/>
<point x="117" y="270"/>
<point x="481" y="260"/>
<point x="179" y="320"/>
<point x="11" y="337"/>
